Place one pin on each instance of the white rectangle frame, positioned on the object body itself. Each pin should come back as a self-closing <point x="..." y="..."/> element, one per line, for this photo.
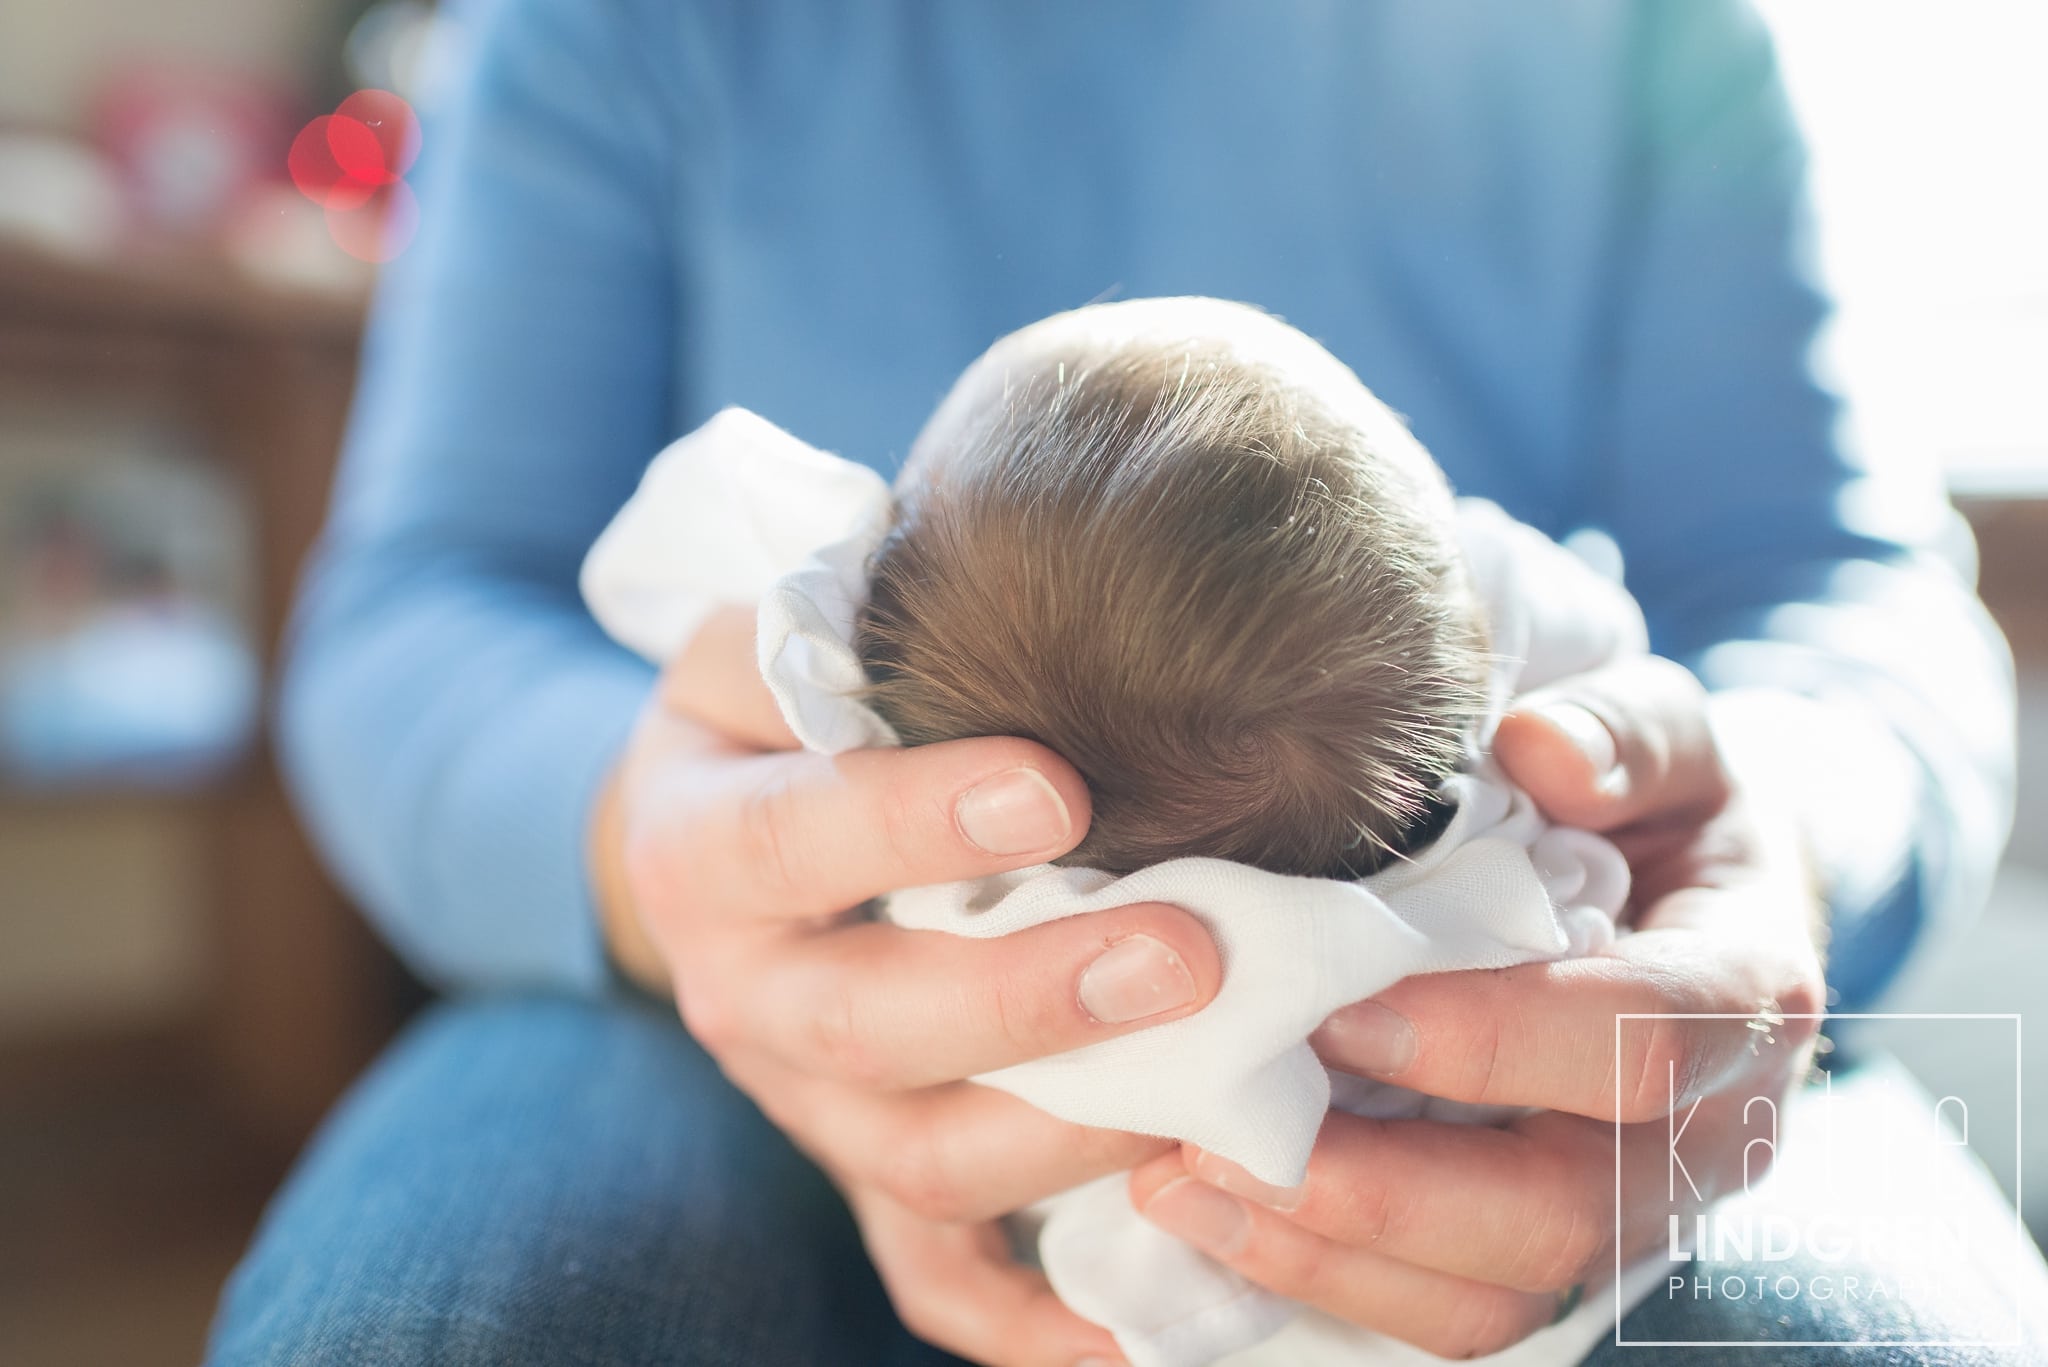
<point x="2018" y="1181"/>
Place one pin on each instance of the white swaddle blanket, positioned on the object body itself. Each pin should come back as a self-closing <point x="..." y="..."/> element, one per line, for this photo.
<point x="741" y="511"/>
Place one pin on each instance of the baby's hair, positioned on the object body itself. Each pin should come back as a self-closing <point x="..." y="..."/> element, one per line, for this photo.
<point x="1200" y="586"/>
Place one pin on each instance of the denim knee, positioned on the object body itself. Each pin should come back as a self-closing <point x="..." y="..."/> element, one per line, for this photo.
<point x="552" y="1182"/>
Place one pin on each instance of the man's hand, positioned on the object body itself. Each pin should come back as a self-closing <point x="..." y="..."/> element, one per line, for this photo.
<point x="728" y="876"/>
<point x="1465" y="1239"/>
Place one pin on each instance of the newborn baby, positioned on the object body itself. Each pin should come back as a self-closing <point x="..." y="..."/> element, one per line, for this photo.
<point x="1180" y="544"/>
<point x="1176" y="542"/>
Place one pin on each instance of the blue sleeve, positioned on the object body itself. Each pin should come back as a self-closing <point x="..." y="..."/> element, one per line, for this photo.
<point x="449" y="708"/>
<point x="1774" y="547"/>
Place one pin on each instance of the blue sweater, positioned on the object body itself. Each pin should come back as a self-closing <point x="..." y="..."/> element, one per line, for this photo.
<point x="1563" y="239"/>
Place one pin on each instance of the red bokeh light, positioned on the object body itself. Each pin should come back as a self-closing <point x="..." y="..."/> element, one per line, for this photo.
<point x="390" y="120"/>
<point x="352" y="163"/>
<point x="318" y="173"/>
<point x="356" y="150"/>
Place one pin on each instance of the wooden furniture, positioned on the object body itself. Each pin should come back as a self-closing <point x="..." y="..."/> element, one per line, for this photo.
<point x="2012" y="548"/>
<point x="299" y="994"/>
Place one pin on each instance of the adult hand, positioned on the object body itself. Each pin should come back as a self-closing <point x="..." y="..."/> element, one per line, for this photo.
<point x="1464" y="1239"/>
<point x="728" y="872"/>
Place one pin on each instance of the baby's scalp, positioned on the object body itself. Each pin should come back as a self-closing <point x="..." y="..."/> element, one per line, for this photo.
<point x="1255" y="338"/>
<point x="1183" y="545"/>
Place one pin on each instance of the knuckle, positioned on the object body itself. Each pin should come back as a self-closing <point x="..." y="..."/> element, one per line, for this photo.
<point x="767" y="839"/>
<point x="1368" y="1213"/>
<point x="1569" y="1232"/>
<point x="1649" y="754"/>
<point x="1481" y="1059"/>
<point x="1802" y="1001"/>
<point x="1492" y="1322"/>
<point x="1029" y="1018"/>
<point x="1794" y="1029"/>
<point x="915" y="1175"/>
<point x="709" y="1017"/>
<point x="1660" y="1067"/>
<point x="1680" y="738"/>
<point x="1293" y="1264"/>
<point x="902" y="821"/>
<point x="837" y="1040"/>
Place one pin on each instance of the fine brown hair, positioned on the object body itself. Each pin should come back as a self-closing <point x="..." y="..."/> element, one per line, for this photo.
<point x="1199" y="585"/>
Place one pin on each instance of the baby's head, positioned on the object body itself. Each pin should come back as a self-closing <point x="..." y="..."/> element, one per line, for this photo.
<point x="1180" y="544"/>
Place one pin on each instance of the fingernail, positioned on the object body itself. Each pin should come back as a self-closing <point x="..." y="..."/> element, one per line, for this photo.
<point x="1589" y="736"/>
<point x="1199" y="1215"/>
<point x="1219" y="1172"/>
<point x="1135" y="978"/>
<point x="1366" y="1037"/>
<point x="1014" y="812"/>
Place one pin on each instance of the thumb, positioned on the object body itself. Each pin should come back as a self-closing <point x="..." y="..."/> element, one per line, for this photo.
<point x="1627" y="743"/>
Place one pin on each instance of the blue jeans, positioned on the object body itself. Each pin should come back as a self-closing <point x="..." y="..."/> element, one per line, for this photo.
<point x="574" y="1184"/>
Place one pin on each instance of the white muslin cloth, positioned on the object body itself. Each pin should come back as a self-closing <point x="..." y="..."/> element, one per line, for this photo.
<point x="740" y="511"/>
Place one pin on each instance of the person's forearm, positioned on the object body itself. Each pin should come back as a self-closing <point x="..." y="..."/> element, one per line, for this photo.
<point x="1883" y="722"/>
<point x="446" y="732"/>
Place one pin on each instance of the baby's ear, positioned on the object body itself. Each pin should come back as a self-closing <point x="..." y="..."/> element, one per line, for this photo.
<point x="716" y="680"/>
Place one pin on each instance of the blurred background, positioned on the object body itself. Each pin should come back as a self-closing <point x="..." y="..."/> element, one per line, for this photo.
<point x="183" y="272"/>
